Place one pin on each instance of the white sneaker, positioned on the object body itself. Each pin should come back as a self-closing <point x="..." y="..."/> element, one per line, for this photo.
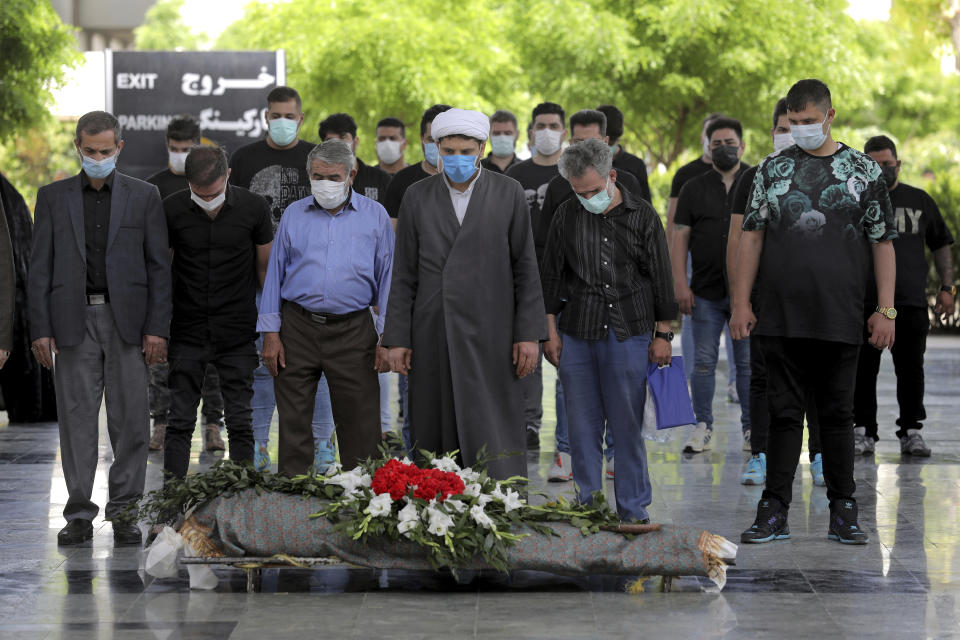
<point x="732" y="396"/>
<point x="699" y="439"/>
<point x="562" y="469"/>
<point x="746" y="441"/>
<point x="609" y="471"/>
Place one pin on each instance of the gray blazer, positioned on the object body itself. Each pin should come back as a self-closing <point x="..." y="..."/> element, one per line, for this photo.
<point x="8" y="283"/>
<point x="138" y="262"/>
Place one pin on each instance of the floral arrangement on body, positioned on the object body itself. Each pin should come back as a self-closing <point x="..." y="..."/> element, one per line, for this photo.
<point x="455" y="514"/>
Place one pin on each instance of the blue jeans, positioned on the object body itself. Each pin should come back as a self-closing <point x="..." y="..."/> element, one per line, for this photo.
<point x="709" y="319"/>
<point x="562" y="435"/>
<point x="605" y="384"/>
<point x="264" y="403"/>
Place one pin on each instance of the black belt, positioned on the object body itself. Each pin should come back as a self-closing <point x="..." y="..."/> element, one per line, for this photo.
<point x="97" y="298"/>
<point x="325" y="318"/>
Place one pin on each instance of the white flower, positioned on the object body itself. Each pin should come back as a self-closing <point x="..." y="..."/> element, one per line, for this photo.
<point x="439" y="522"/>
<point x="482" y="519"/>
<point x="455" y="505"/>
<point x="351" y="480"/>
<point x="409" y="513"/>
<point x="406" y="460"/>
<point x="406" y="526"/>
<point x="511" y="499"/>
<point x="484" y="499"/>
<point x="468" y="475"/>
<point x="380" y="505"/>
<point x="473" y="490"/>
<point x="445" y="464"/>
<point x="811" y="222"/>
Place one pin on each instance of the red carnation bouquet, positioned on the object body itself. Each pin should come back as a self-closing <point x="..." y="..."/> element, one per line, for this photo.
<point x="398" y="478"/>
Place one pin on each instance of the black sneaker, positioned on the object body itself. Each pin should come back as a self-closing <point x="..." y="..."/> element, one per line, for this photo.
<point x="533" y="438"/>
<point x="771" y="523"/>
<point x="843" y="523"/>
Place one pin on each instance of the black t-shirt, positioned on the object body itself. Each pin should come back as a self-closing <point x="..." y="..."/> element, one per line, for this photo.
<point x="690" y="170"/>
<point x="741" y="191"/>
<point x="398" y="186"/>
<point x="704" y="206"/>
<point x="371" y="182"/>
<point x="487" y="163"/>
<point x="819" y="216"/>
<point x="168" y="183"/>
<point x="558" y="192"/>
<point x="534" y="179"/>
<point x="919" y="223"/>
<point x="624" y="161"/>
<point x="279" y="176"/>
<point x="214" y="267"/>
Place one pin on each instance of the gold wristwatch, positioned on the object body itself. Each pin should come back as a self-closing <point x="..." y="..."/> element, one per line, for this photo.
<point x="887" y="312"/>
<point x="951" y="289"/>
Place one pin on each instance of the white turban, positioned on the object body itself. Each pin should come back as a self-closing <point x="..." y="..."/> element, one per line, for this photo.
<point x="461" y="122"/>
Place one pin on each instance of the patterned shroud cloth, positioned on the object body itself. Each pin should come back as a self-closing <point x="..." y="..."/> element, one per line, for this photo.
<point x="248" y="524"/>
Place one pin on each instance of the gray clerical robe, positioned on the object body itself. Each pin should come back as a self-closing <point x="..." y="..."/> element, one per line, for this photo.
<point x="461" y="296"/>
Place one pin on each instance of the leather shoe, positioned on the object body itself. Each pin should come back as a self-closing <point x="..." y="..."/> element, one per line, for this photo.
<point x="127" y="533"/>
<point x="76" y="532"/>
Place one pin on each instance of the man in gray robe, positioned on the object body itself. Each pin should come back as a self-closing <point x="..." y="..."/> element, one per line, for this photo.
<point x="466" y="313"/>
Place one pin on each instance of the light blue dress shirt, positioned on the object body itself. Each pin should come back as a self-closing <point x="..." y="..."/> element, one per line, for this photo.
<point x="329" y="263"/>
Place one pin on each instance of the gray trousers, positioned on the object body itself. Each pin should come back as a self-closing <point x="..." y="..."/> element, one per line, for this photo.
<point x="103" y="362"/>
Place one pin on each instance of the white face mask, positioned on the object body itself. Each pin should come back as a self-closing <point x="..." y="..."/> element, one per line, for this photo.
<point x="178" y="161"/>
<point x="547" y="141"/>
<point x="329" y="194"/>
<point x="781" y="141"/>
<point x="809" y="136"/>
<point x="389" y="151"/>
<point x="208" y="205"/>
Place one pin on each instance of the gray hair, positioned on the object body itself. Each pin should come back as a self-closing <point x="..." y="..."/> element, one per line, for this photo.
<point x="332" y="151"/>
<point x="577" y="158"/>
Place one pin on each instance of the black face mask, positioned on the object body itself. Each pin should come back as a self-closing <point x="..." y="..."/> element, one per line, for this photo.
<point x="889" y="175"/>
<point x="724" y="158"/>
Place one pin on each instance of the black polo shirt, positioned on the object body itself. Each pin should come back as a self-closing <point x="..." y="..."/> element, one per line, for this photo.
<point x="214" y="267"/>
<point x="704" y="206"/>
<point x="371" y="182"/>
<point x="488" y="163"/>
<point x="168" y="182"/>
<point x="625" y="161"/>
<point x="96" y="224"/>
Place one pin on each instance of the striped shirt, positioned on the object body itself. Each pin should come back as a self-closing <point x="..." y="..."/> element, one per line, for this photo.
<point x="612" y="271"/>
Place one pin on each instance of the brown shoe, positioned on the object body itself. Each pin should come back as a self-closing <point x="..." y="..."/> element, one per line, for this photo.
<point x="211" y="437"/>
<point x="159" y="432"/>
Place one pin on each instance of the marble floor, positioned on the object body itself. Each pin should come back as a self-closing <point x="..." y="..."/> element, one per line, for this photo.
<point x="904" y="584"/>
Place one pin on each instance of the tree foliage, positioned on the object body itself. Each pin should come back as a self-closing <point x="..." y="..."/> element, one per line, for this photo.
<point x="37" y="50"/>
<point x="163" y="29"/>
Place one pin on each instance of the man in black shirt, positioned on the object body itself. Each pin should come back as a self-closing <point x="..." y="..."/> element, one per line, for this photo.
<point x="606" y="273"/>
<point x="369" y="181"/>
<point x="919" y="223"/>
<point x="622" y="160"/>
<point x="220" y="237"/>
<point x="183" y="133"/>
<point x="391" y="143"/>
<point x="503" y="142"/>
<point x="700" y="228"/>
<point x="534" y="175"/>
<point x="415" y="172"/>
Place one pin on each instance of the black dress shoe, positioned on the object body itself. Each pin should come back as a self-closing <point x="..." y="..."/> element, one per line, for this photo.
<point x="127" y="533"/>
<point x="76" y="532"/>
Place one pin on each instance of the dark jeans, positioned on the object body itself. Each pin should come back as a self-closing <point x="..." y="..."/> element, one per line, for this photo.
<point x="913" y="324"/>
<point x="160" y="394"/>
<point x="760" y="409"/>
<point x="188" y="363"/>
<point x="829" y="369"/>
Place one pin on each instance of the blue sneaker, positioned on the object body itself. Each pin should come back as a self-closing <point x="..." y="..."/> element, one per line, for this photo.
<point x="756" y="472"/>
<point x="816" y="470"/>
<point x="261" y="456"/>
<point x="324" y="456"/>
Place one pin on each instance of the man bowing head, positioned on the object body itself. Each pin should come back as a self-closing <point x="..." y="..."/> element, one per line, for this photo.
<point x="466" y="314"/>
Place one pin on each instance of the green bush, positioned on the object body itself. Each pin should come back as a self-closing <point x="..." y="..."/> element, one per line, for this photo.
<point x="945" y="191"/>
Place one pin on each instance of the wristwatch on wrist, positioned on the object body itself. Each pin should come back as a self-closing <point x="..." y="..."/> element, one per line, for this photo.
<point x="887" y="312"/>
<point x="666" y="335"/>
<point x="951" y="289"/>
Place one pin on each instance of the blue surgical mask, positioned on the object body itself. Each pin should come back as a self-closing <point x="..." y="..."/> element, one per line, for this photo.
<point x="599" y="202"/>
<point x="502" y="145"/>
<point x="459" y="168"/>
<point x="431" y="153"/>
<point x="613" y="148"/>
<point x="809" y="136"/>
<point x="283" y="131"/>
<point x="98" y="169"/>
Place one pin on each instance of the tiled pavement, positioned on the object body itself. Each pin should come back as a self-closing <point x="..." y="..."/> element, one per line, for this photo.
<point x="905" y="584"/>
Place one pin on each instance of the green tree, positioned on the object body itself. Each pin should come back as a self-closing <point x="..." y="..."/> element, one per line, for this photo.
<point x="37" y="50"/>
<point x="163" y="29"/>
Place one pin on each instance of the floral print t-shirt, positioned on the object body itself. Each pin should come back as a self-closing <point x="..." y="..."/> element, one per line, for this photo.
<point x="819" y="216"/>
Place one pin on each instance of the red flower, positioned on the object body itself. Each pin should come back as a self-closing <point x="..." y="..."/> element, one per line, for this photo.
<point x="397" y="478"/>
